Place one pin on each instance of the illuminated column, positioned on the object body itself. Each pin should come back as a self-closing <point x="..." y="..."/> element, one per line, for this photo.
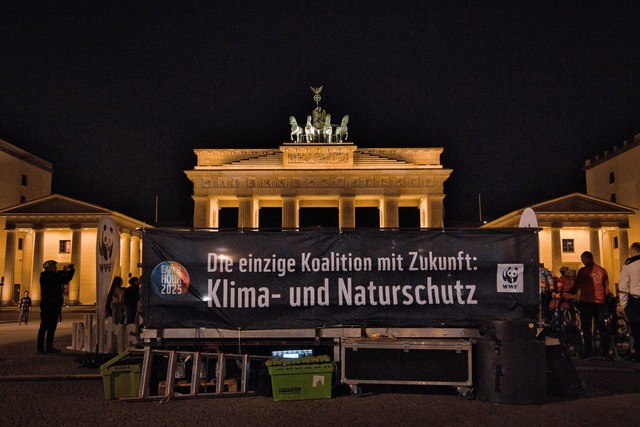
<point x="424" y="212"/>
<point x="200" y="212"/>
<point x="389" y="212"/>
<point x="27" y="263"/>
<point x="135" y="255"/>
<point x="594" y="242"/>
<point x="9" y="266"/>
<point x="213" y="209"/>
<point x="255" y="213"/>
<point x="38" y="260"/>
<point x="125" y="255"/>
<point x="433" y="211"/>
<point x="76" y="259"/>
<point x="556" y="248"/>
<point x="290" y="212"/>
<point x="205" y="212"/>
<point x="606" y="257"/>
<point x="623" y="244"/>
<point x="347" y="212"/>
<point x="247" y="211"/>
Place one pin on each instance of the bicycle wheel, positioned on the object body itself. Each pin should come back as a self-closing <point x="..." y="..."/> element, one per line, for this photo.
<point x="572" y="334"/>
<point x="622" y="337"/>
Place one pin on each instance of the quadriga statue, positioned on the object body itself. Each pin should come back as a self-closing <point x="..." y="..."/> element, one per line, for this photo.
<point x="342" y="132"/>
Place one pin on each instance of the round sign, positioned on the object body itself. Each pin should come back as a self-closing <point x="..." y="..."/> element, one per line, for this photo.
<point x="170" y="280"/>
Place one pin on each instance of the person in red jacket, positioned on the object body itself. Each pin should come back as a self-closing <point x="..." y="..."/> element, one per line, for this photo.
<point x="592" y="281"/>
<point x="560" y="294"/>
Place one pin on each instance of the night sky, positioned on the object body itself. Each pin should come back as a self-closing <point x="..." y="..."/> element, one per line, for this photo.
<point x="518" y="93"/>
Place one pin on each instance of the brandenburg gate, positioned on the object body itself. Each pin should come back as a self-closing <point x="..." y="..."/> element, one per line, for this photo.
<point x="318" y="168"/>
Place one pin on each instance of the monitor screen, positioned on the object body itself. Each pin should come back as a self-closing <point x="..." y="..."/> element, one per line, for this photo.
<point x="292" y="354"/>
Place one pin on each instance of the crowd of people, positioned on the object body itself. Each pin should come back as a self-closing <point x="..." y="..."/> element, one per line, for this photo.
<point x="591" y="284"/>
<point x="123" y="303"/>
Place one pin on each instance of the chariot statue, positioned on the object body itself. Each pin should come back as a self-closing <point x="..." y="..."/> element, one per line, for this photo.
<point x="318" y="127"/>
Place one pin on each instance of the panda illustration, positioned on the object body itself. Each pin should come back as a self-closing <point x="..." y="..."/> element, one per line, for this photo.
<point x="106" y="242"/>
<point x="510" y="275"/>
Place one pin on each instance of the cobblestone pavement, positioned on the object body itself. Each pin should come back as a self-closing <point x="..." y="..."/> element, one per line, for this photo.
<point x="56" y="390"/>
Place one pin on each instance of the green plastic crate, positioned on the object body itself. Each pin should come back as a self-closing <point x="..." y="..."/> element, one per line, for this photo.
<point x="121" y="376"/>
<point x="301" y="381"/>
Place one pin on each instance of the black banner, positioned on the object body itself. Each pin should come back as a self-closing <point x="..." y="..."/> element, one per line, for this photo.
<point x="311" y="279"/>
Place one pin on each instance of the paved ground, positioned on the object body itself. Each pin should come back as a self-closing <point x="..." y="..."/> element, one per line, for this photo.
<point x="56" y="390"/>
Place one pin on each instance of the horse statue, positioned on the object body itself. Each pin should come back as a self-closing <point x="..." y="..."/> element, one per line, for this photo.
<point x="342" y="132"/>
<point x="296" y="131"/>
<point x="309" y="130"/>
<point x="327" y="130"/>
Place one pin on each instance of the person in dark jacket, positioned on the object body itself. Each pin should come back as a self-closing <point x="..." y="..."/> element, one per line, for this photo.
<point x="131" y="297"/>
<point x="52" y="283"/>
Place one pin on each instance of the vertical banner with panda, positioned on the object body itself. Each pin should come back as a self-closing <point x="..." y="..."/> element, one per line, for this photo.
<point x="107" y="247"/>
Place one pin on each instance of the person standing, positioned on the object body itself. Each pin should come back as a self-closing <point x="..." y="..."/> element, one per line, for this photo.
<point x="115" y="302"/>
<point x="25" y="307"/>
<point x="592" y="281"/>
<point x="131" y="297"/>
<point x="115" y="309"/>
<point x="561" y="296"/>
<point x="629" y="292"/>
<point x="52" y="283"/>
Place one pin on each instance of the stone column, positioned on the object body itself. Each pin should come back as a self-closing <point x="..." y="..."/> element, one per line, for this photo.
<point x="135" y="255"/>
<point x="290" y="212"/>
<point x="27" y="264"/>
<point x="213" y="209"/>
<point x="347" y="212"/>
<point x="389" y="212"/>
<point x="247" y="213"/>
<point x="623" y="245"/>
<point x="38" y="260"/>
<point x="431" y="211"/>
<point x="9" y="266"/>
<point x="556" y="248"/>
<point x="594" y="242"/>
<point x="76" y="259"/>
<point x="200" y="212"/>
<point x="125" y="255"/>
<point x="424" y="212"/>
<point x="606" y="258"/>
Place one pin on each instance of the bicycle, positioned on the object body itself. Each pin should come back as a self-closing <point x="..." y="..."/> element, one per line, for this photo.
<point x="564" y="324"/>
<point x="618" y="327"/>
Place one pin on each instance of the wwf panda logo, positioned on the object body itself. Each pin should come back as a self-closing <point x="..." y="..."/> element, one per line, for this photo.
<point x="105" y="245"/>
<point x="510" y="275"/>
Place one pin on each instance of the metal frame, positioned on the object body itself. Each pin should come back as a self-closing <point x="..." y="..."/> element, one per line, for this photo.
<point x="149" y="335"/>
<point x="196" y="358"/>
